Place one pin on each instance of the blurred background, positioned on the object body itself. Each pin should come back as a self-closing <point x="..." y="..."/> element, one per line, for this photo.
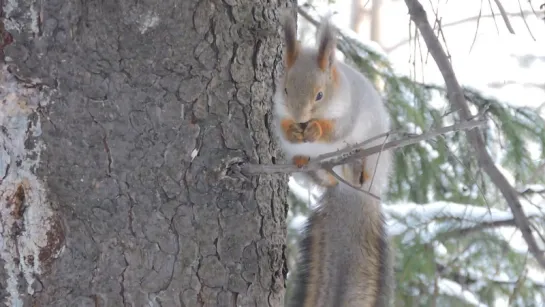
<point x="455" y="237"/>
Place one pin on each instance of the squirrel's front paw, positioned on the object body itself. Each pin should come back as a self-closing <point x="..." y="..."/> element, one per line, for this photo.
<point x="319" y="130"/>
<point x="313" y="131"/>
<point x="300" y="161"/>
<point x="292" y="131"/>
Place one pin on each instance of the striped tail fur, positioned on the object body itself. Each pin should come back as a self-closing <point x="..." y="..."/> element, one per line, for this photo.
<point x="345" y="258"/>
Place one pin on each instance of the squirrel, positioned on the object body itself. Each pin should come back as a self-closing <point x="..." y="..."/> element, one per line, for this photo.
<point x="323" y="105"/>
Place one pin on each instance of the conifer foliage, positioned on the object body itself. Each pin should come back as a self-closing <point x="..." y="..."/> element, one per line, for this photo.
<point x="455" y="238"/>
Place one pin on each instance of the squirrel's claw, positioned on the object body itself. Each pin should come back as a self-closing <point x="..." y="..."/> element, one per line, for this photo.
<point x="300" y="161"/>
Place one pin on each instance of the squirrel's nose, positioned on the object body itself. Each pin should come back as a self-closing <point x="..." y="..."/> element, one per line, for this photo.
<point x="303" y="125"/>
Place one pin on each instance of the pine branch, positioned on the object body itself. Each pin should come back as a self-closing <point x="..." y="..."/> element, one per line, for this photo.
<point x="458" y="102"/>
<point x="451" y="219"/>
<point x="466" y="279"/>
<point x="464" y="231"/>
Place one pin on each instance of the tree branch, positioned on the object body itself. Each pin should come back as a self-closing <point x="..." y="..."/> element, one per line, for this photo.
<point x="464" y="231"/>
<point x="504" y="16"/>
<point x="350" y="153"/>
<point x="457" y="100"/>
<point x="467" y="280"/>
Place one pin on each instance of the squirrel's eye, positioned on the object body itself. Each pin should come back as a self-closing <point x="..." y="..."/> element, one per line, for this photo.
<point x="286" y="90"/>
<point x="319" y="96"/>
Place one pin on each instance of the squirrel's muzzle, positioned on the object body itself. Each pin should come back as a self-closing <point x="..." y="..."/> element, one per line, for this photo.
<point x="303" y="126"/>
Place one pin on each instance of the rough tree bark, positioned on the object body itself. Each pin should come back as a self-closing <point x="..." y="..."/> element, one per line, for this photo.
<point x="119" y="121"/>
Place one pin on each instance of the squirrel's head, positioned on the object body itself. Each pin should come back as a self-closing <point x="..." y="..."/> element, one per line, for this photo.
<point x="311" y="78"/>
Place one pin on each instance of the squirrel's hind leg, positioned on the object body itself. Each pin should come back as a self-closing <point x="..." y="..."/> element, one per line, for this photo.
<point x="356" y="173"/>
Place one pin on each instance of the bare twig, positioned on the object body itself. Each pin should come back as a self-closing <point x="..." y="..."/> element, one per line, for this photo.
<point x="525" y="22"/>
<point x="477" y="27"/>
<point x="505" y="17"/>
<point x="456" y="97"/>
<point x="330" y="160"/>
<point x="376" y="164"/>
<point x="493" y="16"/>
<point x="455" y="23"/>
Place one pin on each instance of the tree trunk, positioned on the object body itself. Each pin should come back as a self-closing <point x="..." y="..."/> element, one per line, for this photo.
<point x="357" y="15"/>
<point x="375" y="21"/>
<point x="119" y="121"/>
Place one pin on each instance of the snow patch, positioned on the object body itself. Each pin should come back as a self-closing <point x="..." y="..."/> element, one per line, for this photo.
<point x="304" y="190"/>
<point x="30" y="235"/>
<point x="298" y="222"/>
<point x="454" y="289"/>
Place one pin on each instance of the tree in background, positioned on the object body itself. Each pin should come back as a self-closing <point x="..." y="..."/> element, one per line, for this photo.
<point x="119" y="121"/>
<point x="451" y="221"/>
<point x="361" y="12"/>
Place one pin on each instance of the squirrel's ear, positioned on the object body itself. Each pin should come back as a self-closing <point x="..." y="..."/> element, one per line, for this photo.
<point x="327" y="43"/>
<point x="292" y="46"/>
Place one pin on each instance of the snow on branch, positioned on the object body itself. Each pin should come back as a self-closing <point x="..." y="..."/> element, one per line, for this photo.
<point x="532" y="189"/>
<point x="457" y="100"/>
<point x="454" y="289"/>
<point x="472" y="276"/>
<point x="446" y="219"/>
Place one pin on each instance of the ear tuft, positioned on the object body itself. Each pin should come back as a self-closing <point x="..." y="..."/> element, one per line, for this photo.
<point x="291" y="50"/>
<point x="327" y="43"/>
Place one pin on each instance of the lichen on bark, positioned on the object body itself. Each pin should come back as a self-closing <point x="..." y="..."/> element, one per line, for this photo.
<point x="30" y="232"/>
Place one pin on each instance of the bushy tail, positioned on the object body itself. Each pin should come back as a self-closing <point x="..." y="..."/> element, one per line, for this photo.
<point x="345" y="257"/>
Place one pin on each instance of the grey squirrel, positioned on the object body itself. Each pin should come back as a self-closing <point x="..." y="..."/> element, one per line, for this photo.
<point x="323" y="105"/>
